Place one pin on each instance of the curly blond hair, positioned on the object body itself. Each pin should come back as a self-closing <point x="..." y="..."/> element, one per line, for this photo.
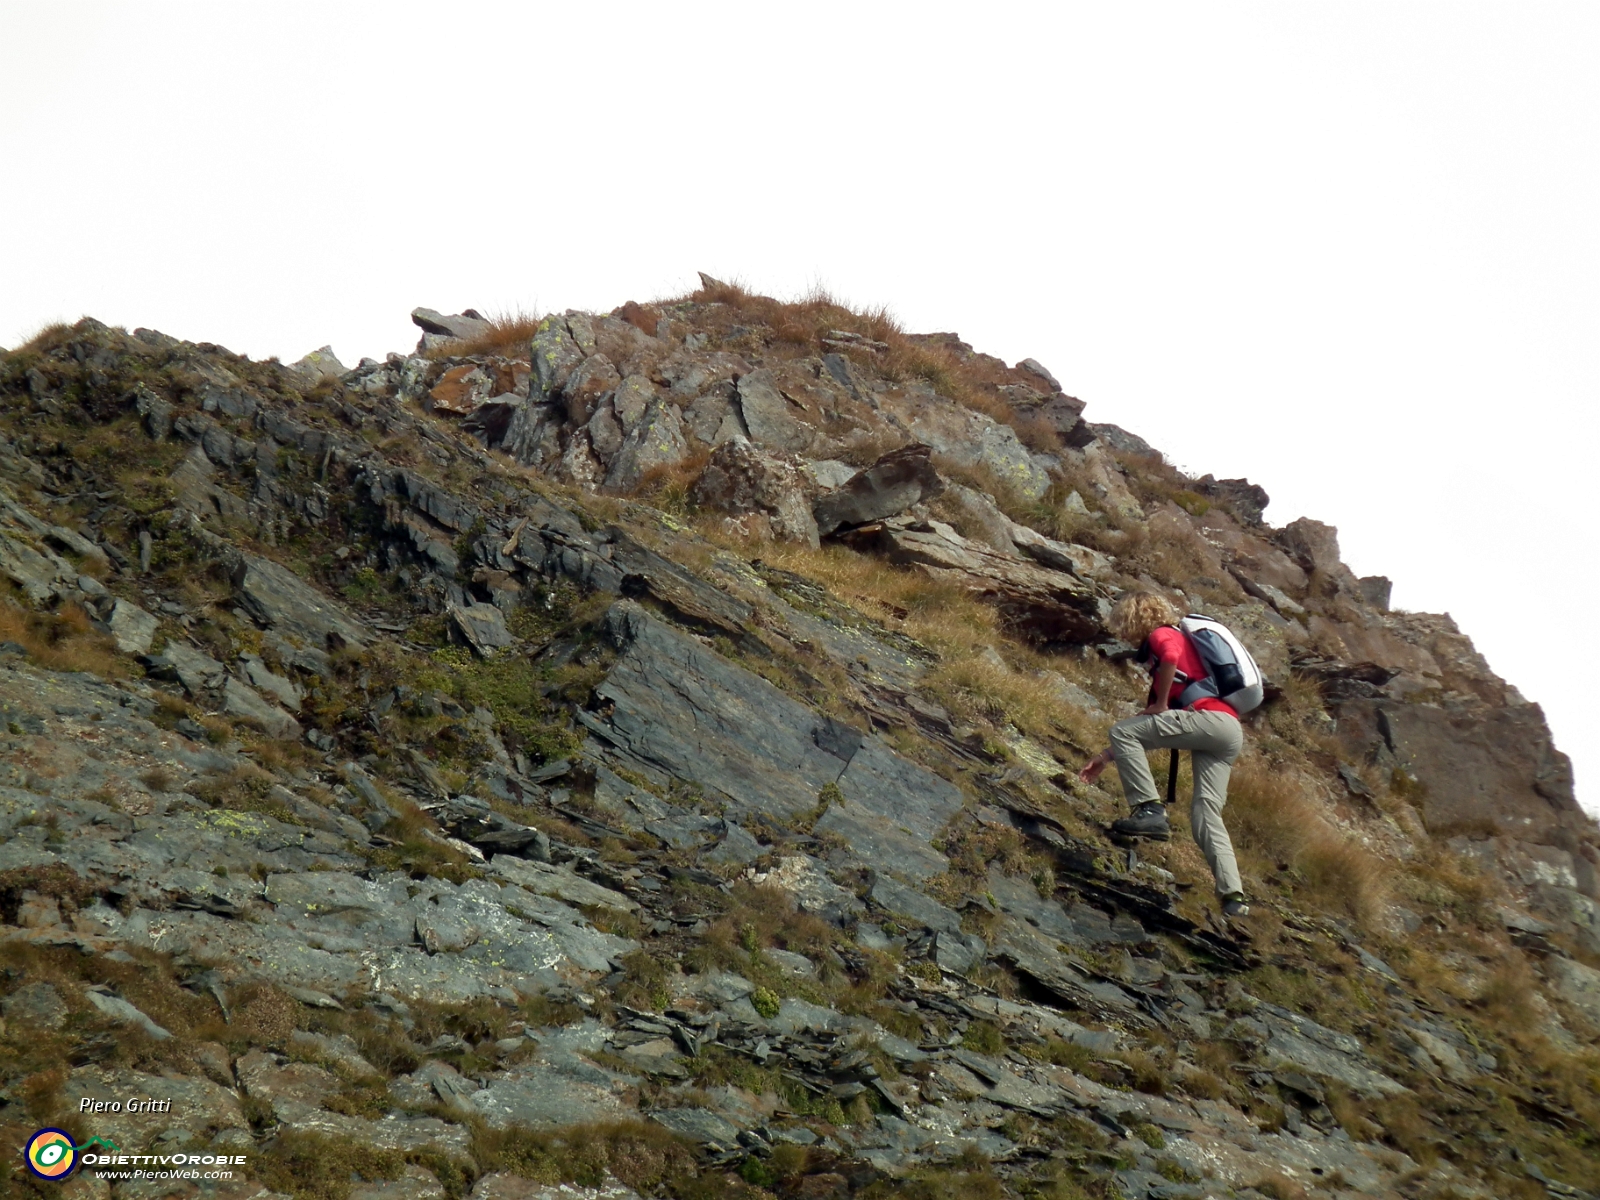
<point x="1137" y="613"/>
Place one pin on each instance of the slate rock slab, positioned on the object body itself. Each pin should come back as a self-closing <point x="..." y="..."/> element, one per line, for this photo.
<point x="483" y="626"/>
<point x="680" y="711"/>
<point x="1577" y="984"/>
<point x="405" y="1135"/>
<point x="319" y="365"/>
<point x="37" y="1005"/>
<point x="958" y="952"/>
<point x="279" y="599"/>
<point x="892" y="811"/>
<point x="1299" y="1043"/>
<point x="699" y="1125"/>
<point x="119" y="1010"/>
<point x="561" y="882"/>
<point x="131" y="627"/>
<point x="539" y="1096"/>
<point x="461" y="325"/>
<point x="265" y="680"/>
<point x="197" y="671"/>
<point x="247" y="704"/>
<point x="655" y="441"/>
<point x="903" y="901"/>
<point x="891" y="485"/>
<point x="769" y="416"/>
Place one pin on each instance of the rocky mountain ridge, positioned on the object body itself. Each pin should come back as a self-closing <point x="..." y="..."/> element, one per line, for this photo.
<point x="634" y="750"/>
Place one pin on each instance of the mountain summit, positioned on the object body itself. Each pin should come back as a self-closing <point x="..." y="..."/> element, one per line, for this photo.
<point x="636" y="754"/>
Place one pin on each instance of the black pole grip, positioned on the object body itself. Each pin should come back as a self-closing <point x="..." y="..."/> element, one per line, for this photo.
<point x="1172" y="778"/>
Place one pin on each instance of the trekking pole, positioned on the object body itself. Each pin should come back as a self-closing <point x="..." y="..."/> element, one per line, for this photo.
<point x="1172" y="778"/>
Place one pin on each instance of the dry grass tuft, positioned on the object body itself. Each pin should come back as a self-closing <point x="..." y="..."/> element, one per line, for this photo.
<point x="667" y="487"/>
<point x="640" y="1154"/>
<point x="1148" y="1073"/>
<point x="1276" y="827"/>
<point x="1506" y="996"/>
<point x="974" y="688"/>
<point x="1280" y="1187"/>
<point x="801" y="325"/>
<point x="1452" y="887"/>
<point x="45" y="339"/>
<point x="508" y="336"/>
<point x="61" y="641"/>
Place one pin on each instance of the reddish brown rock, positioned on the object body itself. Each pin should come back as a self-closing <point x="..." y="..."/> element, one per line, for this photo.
<point x="460" y="390"/>
<point x="641" y="318"/>
<point x="1251" y="556"/>
<point x="1315" y="547"/>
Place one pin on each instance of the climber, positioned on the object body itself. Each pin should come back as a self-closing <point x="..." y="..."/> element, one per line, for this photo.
<point x="1209" y="728"/>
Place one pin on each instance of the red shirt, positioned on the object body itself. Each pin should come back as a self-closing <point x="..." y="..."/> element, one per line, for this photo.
<point x="1169" y="644"/>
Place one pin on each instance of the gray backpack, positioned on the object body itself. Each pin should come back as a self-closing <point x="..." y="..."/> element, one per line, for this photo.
<point x="1232" y="675"/>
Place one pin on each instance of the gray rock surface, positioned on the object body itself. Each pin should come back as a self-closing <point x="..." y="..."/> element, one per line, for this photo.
<point x="131" y="627"/>
<point x="1577" y="984"/>
<point x="320" y="365"/>
<point x="460" y="326"/>
<point x="196" y="1104"/>
<point x="907" y="902"/>
<point x="261" y="677"/>
<point x="281" y="601"/>
<point x="769" y="417"/>
<point x="247" y="705"/>
<point x="555" y="355"/>
<point x="38" y="1005"/>
<point x="483" y="626"/>
<point x="742" y="480"/>
<point x="677" y="709"/>
<point x="893" y="484"/>
<point x="560" y="882"/>
<point x="655" y="441"/>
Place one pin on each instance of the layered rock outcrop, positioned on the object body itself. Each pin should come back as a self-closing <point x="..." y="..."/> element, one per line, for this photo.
<point x="671" y="719"/>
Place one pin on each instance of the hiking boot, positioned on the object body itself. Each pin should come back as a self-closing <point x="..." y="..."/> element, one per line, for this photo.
<point x="1235" y="907"/>
<point x="1148" y="820"/>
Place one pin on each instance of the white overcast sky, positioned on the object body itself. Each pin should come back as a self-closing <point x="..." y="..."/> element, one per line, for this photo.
<point x="1347" y="249"/>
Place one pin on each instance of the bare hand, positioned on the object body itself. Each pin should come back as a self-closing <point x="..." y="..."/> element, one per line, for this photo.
<point x="1093" y="768"/>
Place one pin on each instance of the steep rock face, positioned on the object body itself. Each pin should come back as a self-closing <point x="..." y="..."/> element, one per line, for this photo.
<point x="592" y="817"/>
<point x="1493" y="769"/>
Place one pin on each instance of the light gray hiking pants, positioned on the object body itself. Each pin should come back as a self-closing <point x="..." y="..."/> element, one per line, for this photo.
<point x="1215" y="740"/>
